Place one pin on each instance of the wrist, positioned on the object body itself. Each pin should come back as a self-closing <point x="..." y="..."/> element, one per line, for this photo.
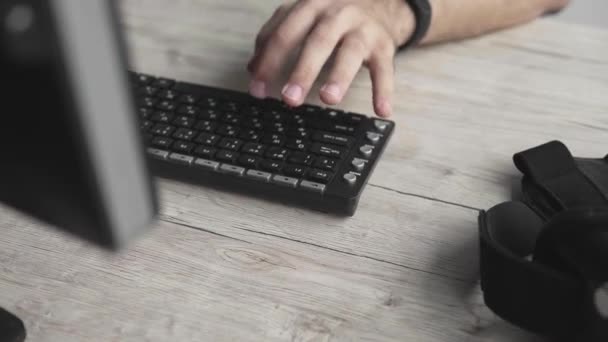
<point x="403" y="22"/>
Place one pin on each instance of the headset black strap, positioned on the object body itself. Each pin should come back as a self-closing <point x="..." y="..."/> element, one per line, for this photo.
<point x="553" y="171"/>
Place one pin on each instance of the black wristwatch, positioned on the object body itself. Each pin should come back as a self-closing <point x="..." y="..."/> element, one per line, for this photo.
<point x="423" y="12"/>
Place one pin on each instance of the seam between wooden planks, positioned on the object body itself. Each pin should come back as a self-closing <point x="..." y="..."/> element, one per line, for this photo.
<point x="464" y="206"/>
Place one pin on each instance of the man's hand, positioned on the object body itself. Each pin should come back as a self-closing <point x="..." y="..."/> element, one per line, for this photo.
<point x="358" y="32"/>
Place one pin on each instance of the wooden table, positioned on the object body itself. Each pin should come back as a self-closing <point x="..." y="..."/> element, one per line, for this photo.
<point x="224" y="267"/>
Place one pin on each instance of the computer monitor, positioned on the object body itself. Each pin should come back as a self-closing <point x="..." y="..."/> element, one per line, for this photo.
<point x="69" y="139"/>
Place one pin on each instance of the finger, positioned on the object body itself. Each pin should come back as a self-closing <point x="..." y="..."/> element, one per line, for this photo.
<point x="318" y="48"/>
<point x="282" y="41"/>
<point x="382" y="74"/>
<point x="349" y="59"/>
<point x="279" y="15"/>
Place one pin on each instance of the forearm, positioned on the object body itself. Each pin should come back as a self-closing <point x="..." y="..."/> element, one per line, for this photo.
<point x="460" y="19"/>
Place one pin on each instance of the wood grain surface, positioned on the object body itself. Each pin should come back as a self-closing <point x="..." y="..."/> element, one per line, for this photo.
<point x="224" y="267"/>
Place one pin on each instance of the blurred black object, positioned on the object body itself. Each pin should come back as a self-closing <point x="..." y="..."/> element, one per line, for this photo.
<point x="71" y="150"/>
<point x="12" y="328"/>
<point x="544" y="263"/>
<point x="54" y="165"/>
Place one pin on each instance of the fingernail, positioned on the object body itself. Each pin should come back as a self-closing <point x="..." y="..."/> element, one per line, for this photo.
<point x="293" y="92"/>
<point x="257" y="89"/>
<point x="333" y="90"/>
<point x="384" y="108"/>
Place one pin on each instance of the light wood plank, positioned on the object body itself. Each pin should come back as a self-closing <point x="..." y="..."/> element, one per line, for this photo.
<point x="180" y="284"/>
<point x="415" y="233"/>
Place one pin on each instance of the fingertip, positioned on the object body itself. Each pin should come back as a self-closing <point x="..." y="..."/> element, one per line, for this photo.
<point x="331" y="94"/>
<point x="293" y="94"/>
<point x="258" y="89"/>
<point x="383" y="108"/>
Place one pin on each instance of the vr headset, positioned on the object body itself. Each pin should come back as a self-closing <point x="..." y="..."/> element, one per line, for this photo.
<point x="544" y="261"/>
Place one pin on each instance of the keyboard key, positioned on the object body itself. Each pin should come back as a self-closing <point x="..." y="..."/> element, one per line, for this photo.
<point x="147" y="138"/>
<point x="162" y="142"/>
<point x="147" y="102"/>
<point x="163" y="83"/>
<point x="184" y="134"/>
<point x="205" y="152"/>
<point x="231" y="106"/>
<point x="353" y="119"/>
<point x="254" y="123"/>
<point x="180" y="159"/>
<point x="184" y="121"/>
<point x="188" y="99"/>
<point x="162" y="117"/>
<point x="332" y="138"/>
<point x="327" y="151"/>
<point x="147" y="91"/>
<point x="274" y="139"/>
<point x="255" y="149"/>
<point x="209" y="102"/>
<point x="309" y="109"/>
<point x="209" y="114"/>
<point x="232" y="169"/>
<point x="145" y="112"/>
<point x="143" y="79"/>
<point x="271" y="166"/>
<point x="206" y="126"/>
<point x="299" y="133"/>
<point x="206" y="164"/>
<point x="320" y="176"/>
<point x="227" y="156"/>
<point x="230" y="144"/>
<point x="231" y="119"/>
<point x="285" y="181"/>
<point x="250" y="135"/>
<point x="183" y="147"/>
<point x="294" y="171"/>
<point x="258" y="175"/>
<point x="146" y="124"/>
<point x="297" y="144"/>
<point x="312" y="186"/>
<point x="189" y="110"/>
<point x="252" y="111"/>
<point x="301" y="158"/>
<point x="207" y="139"/>
<point x="250" y="162"/>
<point x="228" y="131"/>
<point x="341" y="128"/>
<point x="158" y="154"/>
<point x="326" y="163"/>
<point x="381" y="125"/>
<point x="277" y="153"/>
<point x="166" y="105"/>
<point x="274" y="116"/>
<point x="333" y="114"/>
<point x="168" y="94"/>
<point x="162" y="129"/>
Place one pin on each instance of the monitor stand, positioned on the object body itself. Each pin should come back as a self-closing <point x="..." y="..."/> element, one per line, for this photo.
<point x="12" y="328"/>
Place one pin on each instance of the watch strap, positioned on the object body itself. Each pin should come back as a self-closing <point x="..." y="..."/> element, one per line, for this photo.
<point x="423" y="12"/>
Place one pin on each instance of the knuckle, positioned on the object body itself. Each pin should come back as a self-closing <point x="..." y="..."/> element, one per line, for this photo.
<point x="323" y="34"/>
<point x="356" y="44"/>
<point x="279" y="38"/>
<point x="385" y="47"/>
<point x="349" y="11"/>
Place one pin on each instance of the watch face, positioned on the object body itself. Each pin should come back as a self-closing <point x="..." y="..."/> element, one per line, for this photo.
<point x="601" y="301"/>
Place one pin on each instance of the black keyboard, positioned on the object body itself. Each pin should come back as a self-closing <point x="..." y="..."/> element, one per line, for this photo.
<point x="316" y="157"/>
